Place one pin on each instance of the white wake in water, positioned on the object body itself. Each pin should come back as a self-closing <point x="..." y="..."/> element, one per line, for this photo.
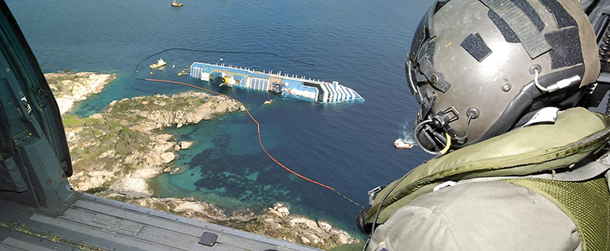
<point x="406" y="135"/>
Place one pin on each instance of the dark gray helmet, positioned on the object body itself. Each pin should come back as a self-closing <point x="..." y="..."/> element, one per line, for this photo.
<point x="479" y="68"/>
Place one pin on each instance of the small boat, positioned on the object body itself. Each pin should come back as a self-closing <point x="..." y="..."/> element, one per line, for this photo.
<point x="401" y="144"/>
<point x="176" y="4"/>
<point x="160" y="63"/>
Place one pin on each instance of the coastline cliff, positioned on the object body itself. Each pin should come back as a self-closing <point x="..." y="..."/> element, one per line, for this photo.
<point x="116" y="151"/>
<point x="70" y="88"/>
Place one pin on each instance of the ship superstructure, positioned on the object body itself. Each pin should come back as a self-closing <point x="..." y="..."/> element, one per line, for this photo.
<point x="296" y="87"/>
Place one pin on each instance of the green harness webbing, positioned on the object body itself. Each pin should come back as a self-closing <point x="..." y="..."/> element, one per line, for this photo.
<point x="586" y="203"/>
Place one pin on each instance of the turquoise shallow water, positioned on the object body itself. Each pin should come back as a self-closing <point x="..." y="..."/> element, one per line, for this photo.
<point x="360" y="43"/>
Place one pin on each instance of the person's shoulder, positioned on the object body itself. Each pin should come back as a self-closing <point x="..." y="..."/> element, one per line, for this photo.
<point x="492" y="215"/>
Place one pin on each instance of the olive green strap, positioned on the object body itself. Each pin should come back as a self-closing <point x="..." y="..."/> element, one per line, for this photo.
<point x="580" y="172"/>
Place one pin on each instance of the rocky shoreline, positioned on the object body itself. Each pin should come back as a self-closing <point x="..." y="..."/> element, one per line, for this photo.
<point x="276" y="221"/>
<point x="115" y="152"/>
<point x="70" y="88"/>
<point x="120" y="149"/>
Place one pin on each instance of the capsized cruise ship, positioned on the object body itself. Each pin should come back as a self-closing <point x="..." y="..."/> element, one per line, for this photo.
<point x="300" y="88"/>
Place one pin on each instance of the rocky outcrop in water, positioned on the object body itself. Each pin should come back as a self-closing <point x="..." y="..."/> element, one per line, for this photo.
<point x="277" y="222"/>
<point x="119" y="149"/>
<point x="70" y="88"/>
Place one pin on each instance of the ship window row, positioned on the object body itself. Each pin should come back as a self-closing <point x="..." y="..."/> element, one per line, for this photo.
<point x="338" y="93"/>
<point x="196" y="72"/>
<point x="260" y="84"/>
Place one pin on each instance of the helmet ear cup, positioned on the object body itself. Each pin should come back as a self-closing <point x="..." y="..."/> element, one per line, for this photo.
<point x="430" y="138"/>
<point x="425" y="141"/>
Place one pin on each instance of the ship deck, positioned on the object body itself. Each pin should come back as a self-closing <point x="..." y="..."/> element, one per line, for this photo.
<point x="95" y="223"/>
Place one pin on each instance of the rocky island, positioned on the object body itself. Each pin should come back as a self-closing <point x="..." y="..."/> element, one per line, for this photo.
<point x="115" y="152"/>
<point x="69" y="88"/>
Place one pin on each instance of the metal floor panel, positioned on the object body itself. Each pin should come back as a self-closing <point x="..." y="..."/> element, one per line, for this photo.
<point x="15" y="244"/>
<point x="95" y="223"/>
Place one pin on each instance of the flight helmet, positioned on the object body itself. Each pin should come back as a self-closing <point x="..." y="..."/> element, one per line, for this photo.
<point x="479" y="68"/>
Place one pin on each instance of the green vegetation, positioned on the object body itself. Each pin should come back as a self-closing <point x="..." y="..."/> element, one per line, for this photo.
<point x="71" y="120"/>
<point x="124" y="136"/>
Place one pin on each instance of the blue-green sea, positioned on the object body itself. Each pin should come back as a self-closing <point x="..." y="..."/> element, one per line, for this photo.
<point x="348" y="146"/>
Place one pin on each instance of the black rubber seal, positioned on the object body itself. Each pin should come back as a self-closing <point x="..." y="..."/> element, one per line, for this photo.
<point x="6" y="141"/>
<point x="363" y="226"/>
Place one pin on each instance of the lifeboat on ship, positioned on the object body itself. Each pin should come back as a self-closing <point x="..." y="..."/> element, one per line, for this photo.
<point x="401" y="144"/>
<point x="225" y="79"/>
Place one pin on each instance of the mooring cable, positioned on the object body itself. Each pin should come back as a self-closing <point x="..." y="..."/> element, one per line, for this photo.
<point x="258" y="127"/>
